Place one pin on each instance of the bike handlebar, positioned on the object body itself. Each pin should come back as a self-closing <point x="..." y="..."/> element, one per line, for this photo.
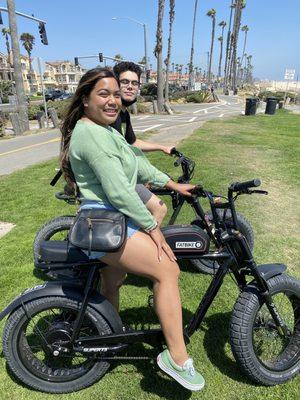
<point x="239" y="186"/>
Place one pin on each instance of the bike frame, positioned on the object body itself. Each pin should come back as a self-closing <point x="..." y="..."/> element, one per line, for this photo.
<point x="115" y="342"/>
<point x="228" y="261"/>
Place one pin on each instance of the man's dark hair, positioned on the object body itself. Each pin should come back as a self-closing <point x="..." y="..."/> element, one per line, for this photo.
<point x="124" y="66"/>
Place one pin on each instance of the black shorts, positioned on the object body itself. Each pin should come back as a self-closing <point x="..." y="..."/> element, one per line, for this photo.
<point x="143" y="192"/>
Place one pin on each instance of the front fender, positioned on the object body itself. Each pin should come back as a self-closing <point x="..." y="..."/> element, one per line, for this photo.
<point x="73" y="291"/>
<point x="269" y="270"/>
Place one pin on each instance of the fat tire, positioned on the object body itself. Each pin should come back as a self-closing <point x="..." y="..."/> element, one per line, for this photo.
<point x="48" y="230"/>
<point x="210" y="267"/>
<point x="241" y="333"/>
<point x="11" y="335"/>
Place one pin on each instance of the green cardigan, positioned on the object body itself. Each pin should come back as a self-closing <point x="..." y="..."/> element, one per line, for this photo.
<point x="107" y="168"/>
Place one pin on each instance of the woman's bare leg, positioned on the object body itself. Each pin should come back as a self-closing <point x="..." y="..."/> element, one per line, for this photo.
<point x="111" y="281"/>
<point x="139" y="256"/>
<point x="157" y="208"/>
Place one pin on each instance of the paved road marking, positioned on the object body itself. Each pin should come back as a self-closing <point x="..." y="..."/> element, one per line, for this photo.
<point x="150" y="127"/>
<point x="192" y="119"/>
<point x="29" y="147"/>
<point x="205" y="109"/>
<point x="140" y="119"/>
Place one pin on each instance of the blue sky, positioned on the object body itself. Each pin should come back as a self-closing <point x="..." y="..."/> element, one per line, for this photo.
<point x="77" y="28"/>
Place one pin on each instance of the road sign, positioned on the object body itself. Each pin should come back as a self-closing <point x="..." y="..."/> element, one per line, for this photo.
<point x="289" y="74"/>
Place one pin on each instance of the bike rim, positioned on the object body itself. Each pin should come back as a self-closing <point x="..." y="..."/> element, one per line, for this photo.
<point x="53" y="326"/>
<point x="274" y="351"/>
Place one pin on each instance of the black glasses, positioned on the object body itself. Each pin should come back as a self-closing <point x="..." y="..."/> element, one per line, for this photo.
<point x="126" y="82"/>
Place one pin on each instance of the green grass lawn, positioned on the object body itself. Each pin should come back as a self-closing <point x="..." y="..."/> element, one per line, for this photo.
<point x="243" y="148"/>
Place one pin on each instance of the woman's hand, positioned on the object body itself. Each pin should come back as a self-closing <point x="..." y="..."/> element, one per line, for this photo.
<point x="182" y="188"/>
<point x="160" y="241"/>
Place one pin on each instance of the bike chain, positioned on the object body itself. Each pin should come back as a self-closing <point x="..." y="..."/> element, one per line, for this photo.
<point x="125" y="358"/>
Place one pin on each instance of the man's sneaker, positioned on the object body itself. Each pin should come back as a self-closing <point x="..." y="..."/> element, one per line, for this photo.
<point x="185" y="375"/>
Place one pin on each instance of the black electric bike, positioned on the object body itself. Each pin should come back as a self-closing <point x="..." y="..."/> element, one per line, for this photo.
<point x="62" y="336"/>
<point x="58" y="227"/>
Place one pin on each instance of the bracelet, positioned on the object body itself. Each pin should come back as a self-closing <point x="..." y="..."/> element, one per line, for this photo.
<point x="152" y="229"/>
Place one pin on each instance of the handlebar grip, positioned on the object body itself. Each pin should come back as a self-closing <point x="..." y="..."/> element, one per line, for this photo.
<point x="175" y="152"/>
<point x="178" y="162"/>
<point x="238" y="186"/>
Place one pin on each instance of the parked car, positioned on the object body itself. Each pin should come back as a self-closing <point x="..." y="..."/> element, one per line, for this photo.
<point x="65" y="96"/>
<point x="53" y="94"/>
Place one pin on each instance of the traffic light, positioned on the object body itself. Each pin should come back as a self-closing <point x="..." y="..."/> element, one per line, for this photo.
<point x="76" y="61"/>
<point x="101" y="57"/>
<point x="1" y="20"/>
<point x="43" y="34"/>
<point x="147" y="75"/>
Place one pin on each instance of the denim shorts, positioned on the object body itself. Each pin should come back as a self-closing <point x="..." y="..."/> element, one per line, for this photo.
<point x="132" y="228"/>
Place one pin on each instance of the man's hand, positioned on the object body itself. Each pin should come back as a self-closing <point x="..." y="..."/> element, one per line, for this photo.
<point x="182" y="188"/>
<point x="167" y="150"/>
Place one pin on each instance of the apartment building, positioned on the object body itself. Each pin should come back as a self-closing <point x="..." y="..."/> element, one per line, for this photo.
<point x="57" y="75"/>
<point x="64" y="73"/>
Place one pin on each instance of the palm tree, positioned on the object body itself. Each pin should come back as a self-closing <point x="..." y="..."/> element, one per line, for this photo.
<point x="27" y="42"/>
<point x="227" y="55"/>
<point x="222" y="24"/>
<point x="192" y="48"/>
<point x="119" y="57"/>
<point x="220" y="39"/>
<point x="168" y="59"/>
<point x="240" y="4"/>
<point x="212" y="14"/>
<point x="245" y="29"/>
<point x="158" y="55"/>
<point x="5" y="33"/>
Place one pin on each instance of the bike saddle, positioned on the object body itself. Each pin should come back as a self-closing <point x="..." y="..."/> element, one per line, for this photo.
<point x="61" y="252"/>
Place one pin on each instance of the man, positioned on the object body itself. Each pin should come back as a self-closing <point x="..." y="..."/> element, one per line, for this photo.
<point x="129" y="75"/>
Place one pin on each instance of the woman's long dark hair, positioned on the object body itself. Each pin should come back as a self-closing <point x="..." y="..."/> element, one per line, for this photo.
<point x="74" y="113"/>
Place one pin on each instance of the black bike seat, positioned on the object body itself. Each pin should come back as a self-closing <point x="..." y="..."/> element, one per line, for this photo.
<point x="61" y="251"/>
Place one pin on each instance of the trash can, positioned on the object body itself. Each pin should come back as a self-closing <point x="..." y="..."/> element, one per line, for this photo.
<point x="271" y="105"/>
<point x="251" y="103"/>
<point x="280" y="104"/>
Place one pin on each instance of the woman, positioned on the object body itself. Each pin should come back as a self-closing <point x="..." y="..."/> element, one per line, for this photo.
<point x="106" y="169"/>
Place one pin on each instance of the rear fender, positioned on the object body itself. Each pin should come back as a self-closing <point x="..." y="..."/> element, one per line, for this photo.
<point x="72" y="291"/>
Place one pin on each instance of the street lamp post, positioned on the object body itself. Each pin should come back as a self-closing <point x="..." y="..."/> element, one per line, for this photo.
<point x="145" y="42"/>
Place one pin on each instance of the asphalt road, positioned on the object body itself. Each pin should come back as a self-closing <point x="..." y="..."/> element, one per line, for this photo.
<point x="20" y="152"/>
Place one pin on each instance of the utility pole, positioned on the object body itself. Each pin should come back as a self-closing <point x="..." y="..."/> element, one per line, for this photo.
<point x="20" y="93"/>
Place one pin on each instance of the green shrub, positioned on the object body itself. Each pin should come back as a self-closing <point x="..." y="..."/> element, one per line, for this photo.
<point x="149" y="89"/>
<point x="279" y="95"/>
<point x="60" y="107"/>
<point x="142" y="107"/>
<point x="33" y="109"/>
<point x="198" y="97"/>
<point x="180" y="94"/>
